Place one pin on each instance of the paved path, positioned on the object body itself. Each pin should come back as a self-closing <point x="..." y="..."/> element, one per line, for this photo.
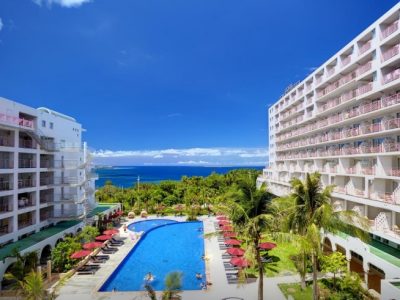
<point x="85" y="287"/>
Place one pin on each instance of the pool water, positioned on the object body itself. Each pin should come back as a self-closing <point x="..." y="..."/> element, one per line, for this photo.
<point x="148" y="224"/>
<point x="175" y="246"/>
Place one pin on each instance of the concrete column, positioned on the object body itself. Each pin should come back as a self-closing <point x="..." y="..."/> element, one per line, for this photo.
<point x="393" y="220"/>
<point x="334" y="248"/>
<point x="366" y="272"/>
<point x="49" y="270"/>
<point x="348" y="258"/>
<point x="366" y="210"/>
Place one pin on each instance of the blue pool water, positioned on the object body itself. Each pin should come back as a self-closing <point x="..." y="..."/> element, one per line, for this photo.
<point x="171" y="247"/>
<point x="148" y="224"/>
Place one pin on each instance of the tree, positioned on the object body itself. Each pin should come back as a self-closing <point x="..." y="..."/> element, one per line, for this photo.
<point x="312" y="213"/>
<point x="31" y="286"/>
<point x="60" y="255"/>
<point x="23" y="265"/>
<point x="248" y="213"/>
<point x="173" y="285"/>
<point x="88" y="234"/>
<point x="334" y="263"/>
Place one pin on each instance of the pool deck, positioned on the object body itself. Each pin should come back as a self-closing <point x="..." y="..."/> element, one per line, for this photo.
<point x="85" y="287"/>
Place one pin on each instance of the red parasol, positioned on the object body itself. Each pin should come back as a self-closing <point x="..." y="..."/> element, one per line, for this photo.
<point x="230" y="235"/>
<point x="92" y="245"/>
<point x="232" y="242"/>
<point x="267" y="246"/>
<point x="227" y="228"/>
<point x="224" y="222"/>
<point x="103" y="237"/>
<point x="222" y="218"/>
<point x="80" y="254"/>
<point x="110" y="231"/>
<point x="239" y="262"/>
<point x="235" y="251"/>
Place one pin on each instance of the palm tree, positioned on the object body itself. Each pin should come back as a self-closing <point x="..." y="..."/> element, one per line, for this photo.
<point x="248" y="213"/>
<point x="313" y="213"/>
<point x="173" y="285"/>
<point x="32" y="286"/>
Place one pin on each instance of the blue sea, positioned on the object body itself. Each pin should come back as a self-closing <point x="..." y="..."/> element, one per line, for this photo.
<point x="127" y="176"/>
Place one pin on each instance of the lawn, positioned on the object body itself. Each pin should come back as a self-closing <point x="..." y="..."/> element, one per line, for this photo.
<point x="294" y="290"/>
<point x="282" y="264"/>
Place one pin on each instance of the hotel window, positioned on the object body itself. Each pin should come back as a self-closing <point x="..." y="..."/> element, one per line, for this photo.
<point x="51" y="125"/>
<point x="43" y="123"/>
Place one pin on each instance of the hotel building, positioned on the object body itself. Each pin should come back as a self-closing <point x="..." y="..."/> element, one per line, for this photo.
<point x="343" y="121"/>
<point x="46" y="183"/>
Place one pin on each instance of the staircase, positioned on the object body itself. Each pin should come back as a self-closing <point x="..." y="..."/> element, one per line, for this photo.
<point x="45" y="145"/>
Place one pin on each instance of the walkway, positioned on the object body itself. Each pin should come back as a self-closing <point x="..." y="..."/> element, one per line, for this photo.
<point x="85" y="287"/>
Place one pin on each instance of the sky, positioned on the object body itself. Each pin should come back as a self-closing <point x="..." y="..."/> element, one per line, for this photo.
<point x="173" y="82"/>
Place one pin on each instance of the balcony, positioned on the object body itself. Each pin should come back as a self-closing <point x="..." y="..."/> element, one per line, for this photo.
<point x="26" y="183"/>
<point x="389" y="30"/>
<point x="391" y="76"/>
<point x="25" y="202"/>
<point x="5" y="227"/>
<point x="26" y="163"/>
<point x="6" y="163"/>
<point x="6" y="141"/>
<point x="25" y="223"/>
<point x="46" y="181"/>
<point x="387" y="197"/>
<point x="389" y="53"/>
<point x="46" y="198"/>
<point x="6" y="205"/>
<point x="365" y="47"/>
<point x="6" y="185"/>
<point x="16" y="121"/>
<point x="27" y="143"/>
<point x="346" y="61"/>
<point x="372" y="128"/>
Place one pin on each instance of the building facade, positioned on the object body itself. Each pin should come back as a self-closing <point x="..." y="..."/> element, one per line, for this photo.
<point x="343" y="121"/>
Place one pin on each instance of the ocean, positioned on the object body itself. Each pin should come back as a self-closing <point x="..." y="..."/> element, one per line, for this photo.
<point x="127" y="176"/>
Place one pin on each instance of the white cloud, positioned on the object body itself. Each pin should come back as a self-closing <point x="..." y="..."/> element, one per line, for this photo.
<point x="1" y="24"/>
<point x="188" y="156"/>
<point x="63" y="3"/>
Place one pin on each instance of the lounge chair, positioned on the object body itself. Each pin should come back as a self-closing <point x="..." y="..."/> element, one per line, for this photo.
<point x="108" y="251"/>
<point x="115" y="241"/>
<point x="97" y="260"/>
<point x="99" y="256"/>
<point x="89" y="272"/>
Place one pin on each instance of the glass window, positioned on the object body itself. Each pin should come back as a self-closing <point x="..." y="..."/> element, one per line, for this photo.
<point x="51" y="125"/>
<point x="43" y="123"/>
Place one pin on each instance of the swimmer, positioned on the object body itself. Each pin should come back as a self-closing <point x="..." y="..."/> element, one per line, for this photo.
<point x="199" y="276"/>
<point x="149" y="277"/>
<point x="203" y="286"/>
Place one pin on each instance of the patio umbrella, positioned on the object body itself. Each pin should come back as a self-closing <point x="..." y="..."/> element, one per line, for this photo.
<point x="80" y="254"/>
<point x="230" y="235"/>
<point x="239" y="262"/>
<point x="92" y="245"/>
<point x="235" y="251"/>
<point x="110" y="231"/>
<point x="227" y="228"/>
<point x="224" y="223"/>
<point x="267" y="246"/>
<point x="103" y="237"/>
<point x="232" y="242"/>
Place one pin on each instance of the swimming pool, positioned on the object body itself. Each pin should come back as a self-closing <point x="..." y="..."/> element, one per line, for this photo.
<point x="172" y="246"/>
<point x="147" y="225"/>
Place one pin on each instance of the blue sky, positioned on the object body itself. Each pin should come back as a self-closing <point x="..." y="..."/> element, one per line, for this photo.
<point x="170" y="82"/>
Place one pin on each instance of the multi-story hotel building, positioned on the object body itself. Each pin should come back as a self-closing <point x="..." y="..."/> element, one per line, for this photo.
<point x="343" y="121"/>
<point x="46" y="184"/>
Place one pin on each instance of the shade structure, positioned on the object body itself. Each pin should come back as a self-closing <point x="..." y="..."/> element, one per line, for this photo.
<point x="222" y="218"/>
<point x="239" y="262"/>
<point x="230" y="235"/>
<point x="103" y="237"/>
<point x="110" y="231"/>
<point x="92" y="245"/>
<point x="267" y="246"/>
<point x="224" y="222"/>
<point x="235" y="251"/>
<point x="227" y="228"/>
<point x="80" y="254"/>
<point x="232" y="242"/>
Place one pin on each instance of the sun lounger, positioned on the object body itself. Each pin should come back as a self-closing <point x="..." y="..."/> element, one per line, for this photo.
<point x="98" y="260"/>
<point x="115" y="241"/>
<point x="99" y="256"/>
<point x="89" y="272"/>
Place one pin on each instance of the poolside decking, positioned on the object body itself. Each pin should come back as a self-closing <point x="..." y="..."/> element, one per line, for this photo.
<point x="85" y="287"/>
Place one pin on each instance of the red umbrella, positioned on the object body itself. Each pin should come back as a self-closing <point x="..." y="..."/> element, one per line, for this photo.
<point x="80" y="254"/>
<point x="103" y="237"/>
<point x="224" y="222"/>
<point x="240" y="262"/>
<point x="230" y="234"/>
<point x="110" y="231"/>
<point x="227" y="228"/>
<point x="235" y="251"/>
<point x="267" y="246"/>
<point x="222" y="218"/>
<point x="232" y="242"/>
<point x="92" y="245"/>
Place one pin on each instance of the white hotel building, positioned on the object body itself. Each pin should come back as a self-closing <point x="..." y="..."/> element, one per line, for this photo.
<point x="343" y="120"/>
<point x="46" y="184"/>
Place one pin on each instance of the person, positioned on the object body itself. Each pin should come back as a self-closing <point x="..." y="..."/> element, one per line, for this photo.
<point x="125" y="228"/>
<point x="203" y="285"/>
<point x="149" y="277"/>
<point x="199" y="276"/>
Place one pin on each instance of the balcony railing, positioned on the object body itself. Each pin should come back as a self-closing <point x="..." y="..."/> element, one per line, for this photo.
<point x="5" y="207"/>
<point x="46" y="181"/>
<point x="6" y="185"/>
<point x="389" y="77"/>
<point x="6" y="141"/>
<point x="365" y="47"/>
<point x="23" y="203"/>
<point x="26" y="163"/>
<point x="6" y="163"/>
<point x="346" y="61"/>
<point x="26" y="183"/>
<point x="389" y="29"/>
<point x="24" y="224"/>
<point x="4" y="229"/>
<point x="388" y="197"/>
<point x="16" y="121"/>
<point x="24" y="143"/>
<point x="389" y="53"/>
<point x="46" y="199"/>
